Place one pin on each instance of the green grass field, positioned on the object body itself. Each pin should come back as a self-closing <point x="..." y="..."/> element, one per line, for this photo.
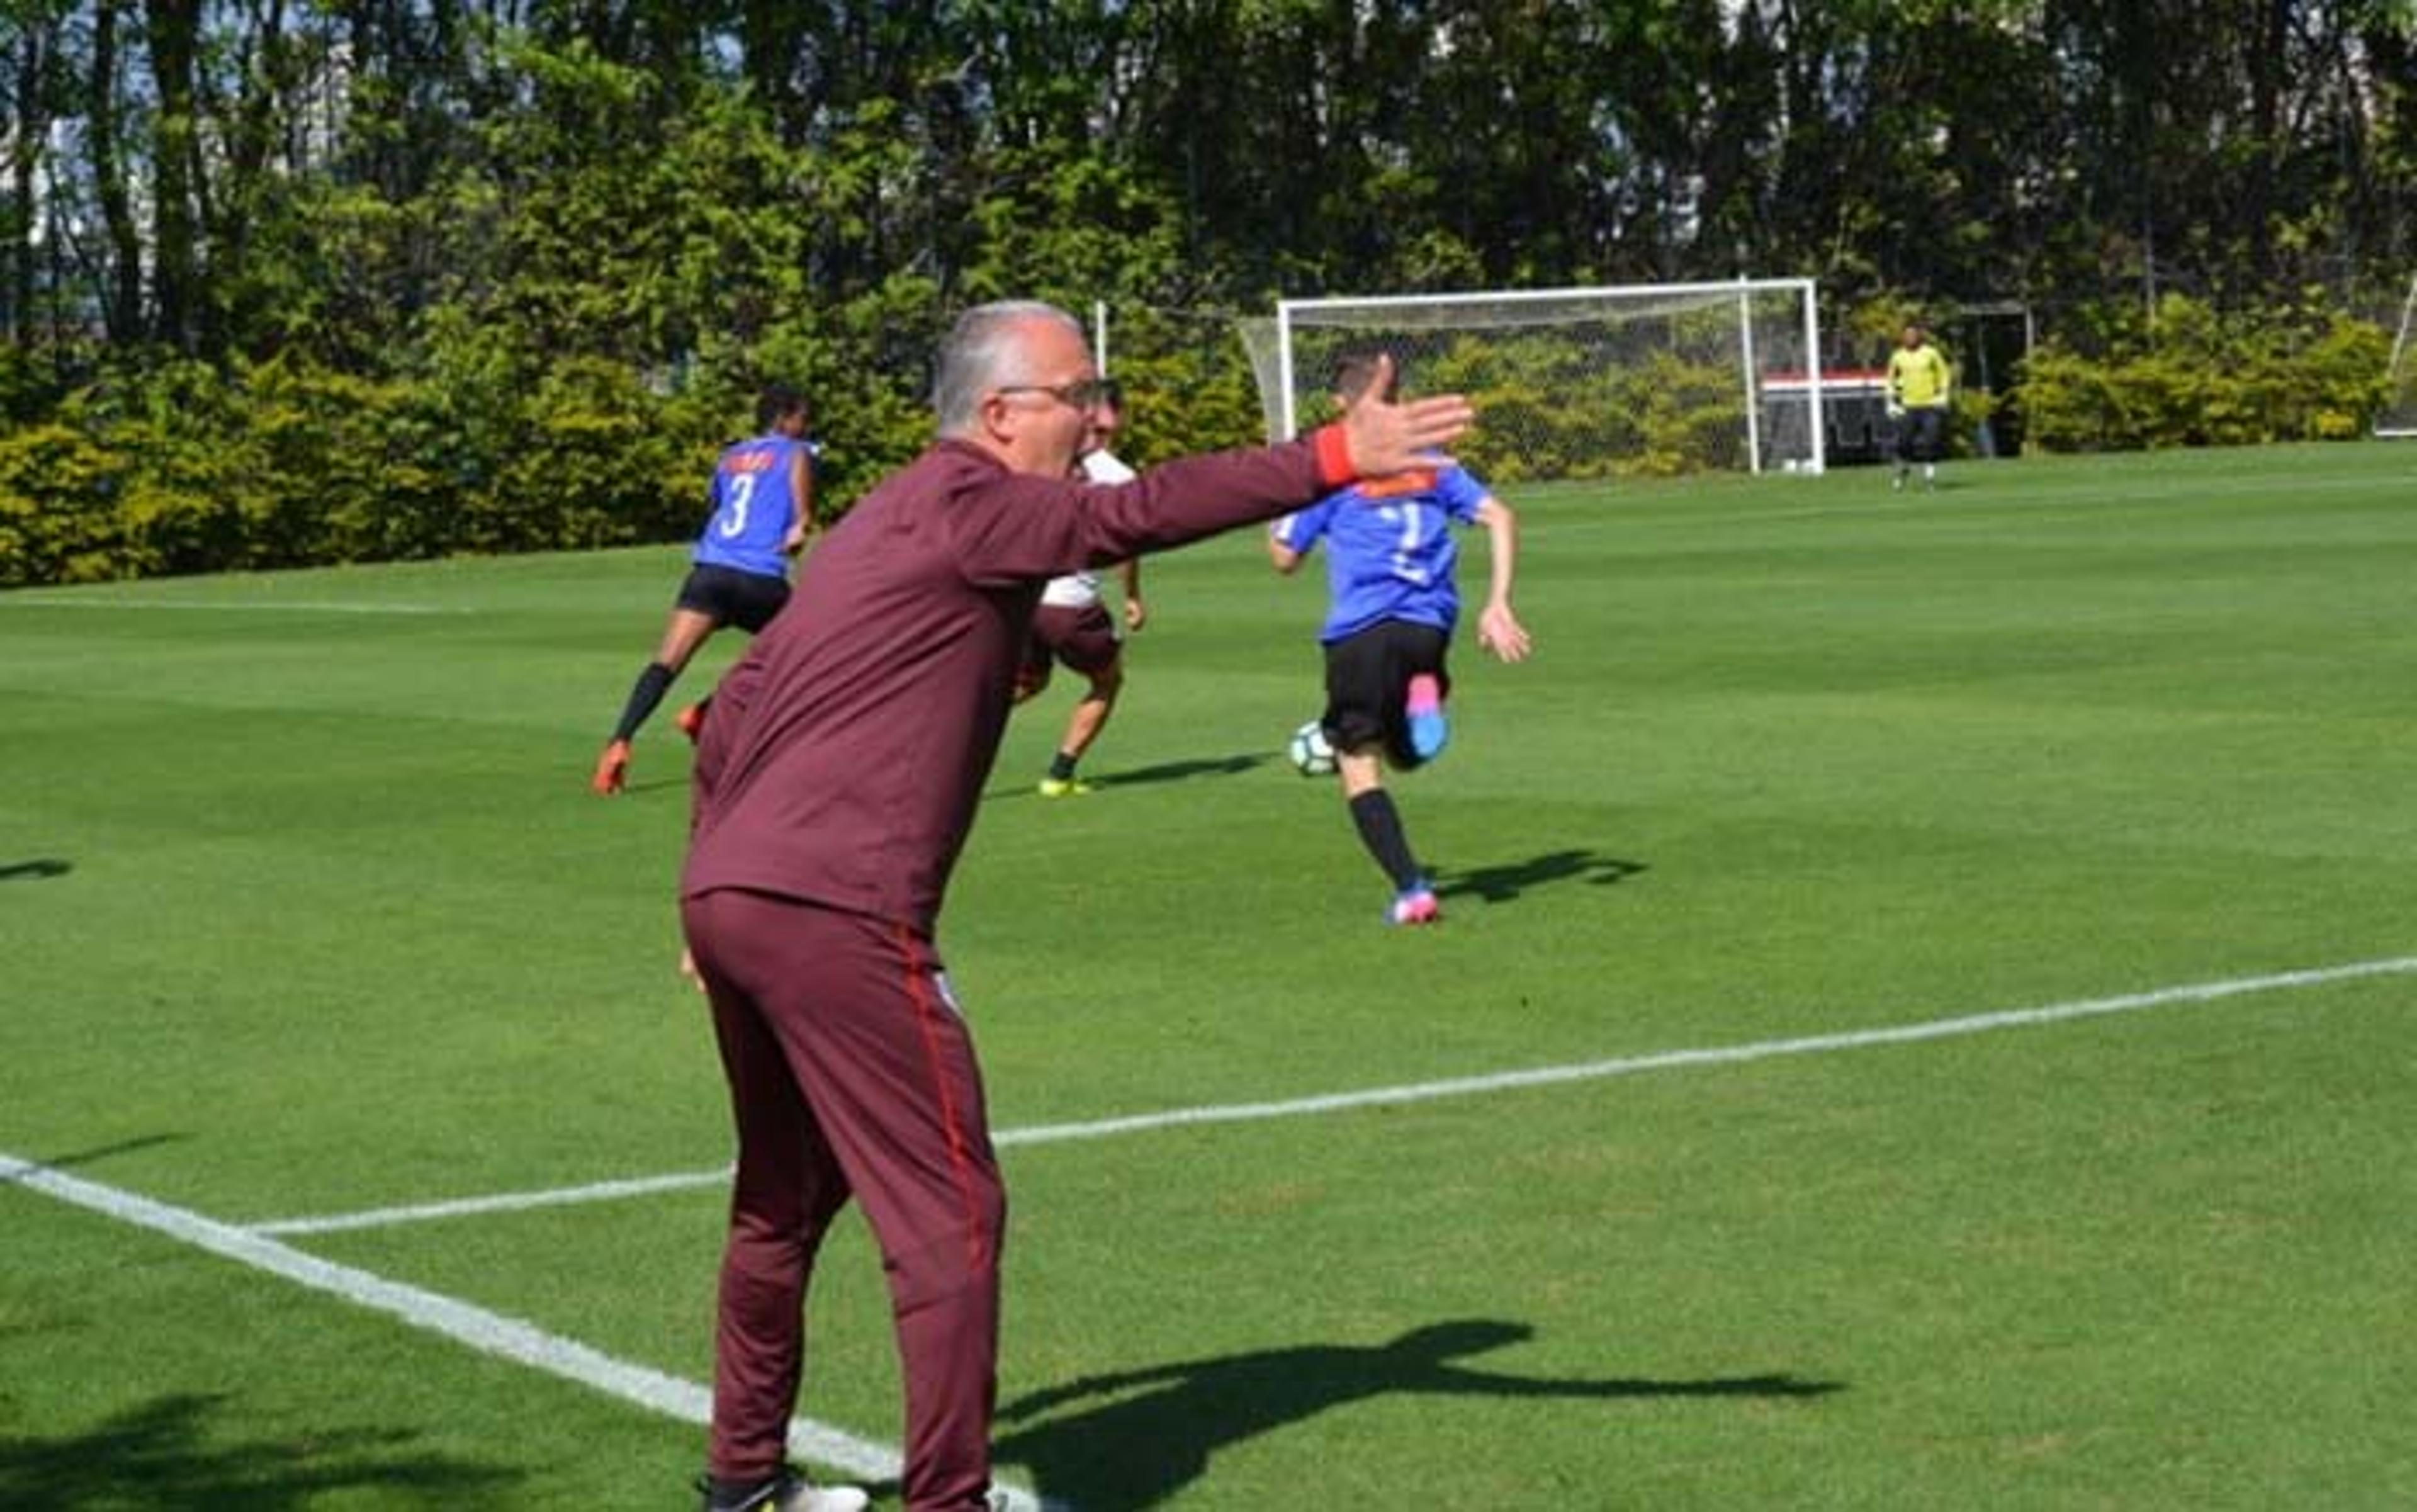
<point x="308" y="914"/>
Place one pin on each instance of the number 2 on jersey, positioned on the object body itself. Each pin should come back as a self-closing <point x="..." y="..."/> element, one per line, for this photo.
<point x="1406" y="564"/>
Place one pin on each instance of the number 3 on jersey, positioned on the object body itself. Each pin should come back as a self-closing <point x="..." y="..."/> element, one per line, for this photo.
<point x="734" y="509"/>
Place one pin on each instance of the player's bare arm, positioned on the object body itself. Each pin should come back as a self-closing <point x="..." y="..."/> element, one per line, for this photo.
<point x="801" y="488"/>
<point x="1498" y="630"/>
<point x="1137" y="613"/>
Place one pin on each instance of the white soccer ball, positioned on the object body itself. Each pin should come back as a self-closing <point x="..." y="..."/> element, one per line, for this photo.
<point x="1312" y="757"/>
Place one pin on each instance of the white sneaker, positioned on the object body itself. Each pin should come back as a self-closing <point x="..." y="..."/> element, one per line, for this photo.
<point x="789" y="1491"/>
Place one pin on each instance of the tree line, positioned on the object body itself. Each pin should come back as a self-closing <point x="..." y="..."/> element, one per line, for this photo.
<point x="453" y="251"/>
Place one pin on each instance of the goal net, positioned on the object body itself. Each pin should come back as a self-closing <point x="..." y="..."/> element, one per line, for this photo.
<point x="1646" y="379"/>
<point x="2398" y="417"/>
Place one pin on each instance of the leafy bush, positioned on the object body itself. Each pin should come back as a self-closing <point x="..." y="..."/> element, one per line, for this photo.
<point x="479" y="443"/>
<point x="180" y="468"/>
<point x="58" y="508"/>
<point x="188" y="487"/>
<point x="2192" y="376"/>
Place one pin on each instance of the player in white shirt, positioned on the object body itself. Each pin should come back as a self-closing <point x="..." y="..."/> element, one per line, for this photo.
<point x="1072" y="625"/>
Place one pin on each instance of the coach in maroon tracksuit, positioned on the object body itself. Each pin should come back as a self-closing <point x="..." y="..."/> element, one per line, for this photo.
<point x="835" y="783"/>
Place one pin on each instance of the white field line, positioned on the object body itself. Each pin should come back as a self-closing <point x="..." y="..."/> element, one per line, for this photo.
<point x="489" y="1333"/>
<point x="1937" y="1029"/>
<point x="499" y="1202"/>
<point x="524" y="1343"/>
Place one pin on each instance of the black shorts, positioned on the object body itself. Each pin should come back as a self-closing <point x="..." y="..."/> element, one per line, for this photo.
<point x="727" y="596"/>
<point x="1922" y="433"/>
<point x="1368" y="681"/>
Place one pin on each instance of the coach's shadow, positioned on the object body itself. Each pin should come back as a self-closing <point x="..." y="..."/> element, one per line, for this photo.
<point x="1500" y="884"/>
<point x="1167" y="1421"/>
<point x="39" y="868"/>
<point x="165" y="1452"/>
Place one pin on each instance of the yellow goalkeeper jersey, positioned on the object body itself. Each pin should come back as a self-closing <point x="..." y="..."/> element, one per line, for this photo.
<point x="1917" y="376"/>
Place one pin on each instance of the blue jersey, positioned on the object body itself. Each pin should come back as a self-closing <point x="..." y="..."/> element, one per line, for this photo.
<point x="1389" y="553"/>
<point x="753" y="506"/>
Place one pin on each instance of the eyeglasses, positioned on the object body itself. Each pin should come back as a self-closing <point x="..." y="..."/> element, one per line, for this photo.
<point x="1084" y="394"/>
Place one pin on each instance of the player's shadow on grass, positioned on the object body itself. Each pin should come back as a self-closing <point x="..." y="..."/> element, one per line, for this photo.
<point x="103" y="1152"/>
<point x="38" y="869"/>
<point x="1154" y="1430"/>
<point x="1232" y="766"/>
<point x="1501" y="884"/>
<point x="166" y="1453"/>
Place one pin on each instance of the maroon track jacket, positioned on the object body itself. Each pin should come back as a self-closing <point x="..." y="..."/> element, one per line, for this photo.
<point x="847" y="749"/>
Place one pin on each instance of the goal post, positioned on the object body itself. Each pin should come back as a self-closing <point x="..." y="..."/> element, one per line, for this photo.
<point x="2397" y="418"/>
<point x="1617" y="380"/>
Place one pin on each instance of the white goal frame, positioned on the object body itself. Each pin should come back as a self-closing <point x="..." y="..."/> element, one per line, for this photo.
<point x="1778" y="374"/>
<point x="2397" y="420"/>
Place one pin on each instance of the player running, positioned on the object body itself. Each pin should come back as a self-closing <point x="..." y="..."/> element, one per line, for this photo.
<point x="1391" y="559"/>
<point x="1071" y="625"/>
<point x="763" y="494"/>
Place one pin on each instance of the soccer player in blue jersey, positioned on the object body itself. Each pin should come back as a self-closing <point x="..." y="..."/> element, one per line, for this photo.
<point x="763" y="495"/>
<point x="1391" y="560"/>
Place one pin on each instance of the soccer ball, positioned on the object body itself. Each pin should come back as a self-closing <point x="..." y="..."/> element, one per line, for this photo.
<point x="1312" y="757"/>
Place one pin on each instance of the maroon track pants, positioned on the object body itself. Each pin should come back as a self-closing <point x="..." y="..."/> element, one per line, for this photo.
<point x="851" y="1074"/>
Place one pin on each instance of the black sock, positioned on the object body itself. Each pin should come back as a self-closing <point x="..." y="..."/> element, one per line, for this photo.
<point x="1062" y="767"/>
<point x="652" y="684"/>
<point x="1380" y="830"/>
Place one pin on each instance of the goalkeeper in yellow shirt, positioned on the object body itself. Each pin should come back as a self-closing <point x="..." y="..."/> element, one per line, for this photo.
<point x="1917" y="385"/>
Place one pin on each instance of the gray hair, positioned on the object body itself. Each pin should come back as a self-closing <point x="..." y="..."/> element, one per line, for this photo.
<point x="979" y="347"/>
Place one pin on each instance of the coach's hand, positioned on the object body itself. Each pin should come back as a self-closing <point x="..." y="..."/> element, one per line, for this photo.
<point x="1384" y="438"/>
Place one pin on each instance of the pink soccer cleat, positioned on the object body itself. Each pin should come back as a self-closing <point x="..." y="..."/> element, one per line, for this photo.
<point x="1414" y="905"/>
<point x="1429" y="730"/>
